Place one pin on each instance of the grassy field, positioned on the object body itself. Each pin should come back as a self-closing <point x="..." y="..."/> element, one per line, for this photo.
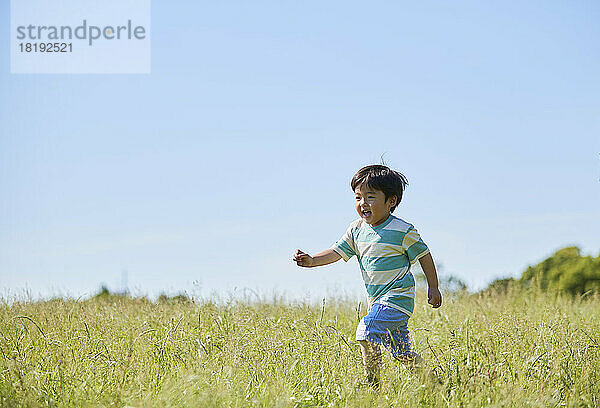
<point x="521" y="348"/>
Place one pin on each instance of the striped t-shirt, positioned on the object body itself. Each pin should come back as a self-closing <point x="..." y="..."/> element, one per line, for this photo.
<point x="385" y="253"/>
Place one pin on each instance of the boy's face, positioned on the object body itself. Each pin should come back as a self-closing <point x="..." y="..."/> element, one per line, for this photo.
<point x="371" y="204"/>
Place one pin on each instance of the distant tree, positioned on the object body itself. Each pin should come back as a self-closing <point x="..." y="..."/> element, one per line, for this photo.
<point x="179" y="298"/>
<point x="501" y="285"/>
<point x="451" y="283"/>
<point x="104" y="292"/>
<point x="566" y="270"/>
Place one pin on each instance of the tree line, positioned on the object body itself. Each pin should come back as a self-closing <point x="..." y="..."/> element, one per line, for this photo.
<point x="566" y="271"/>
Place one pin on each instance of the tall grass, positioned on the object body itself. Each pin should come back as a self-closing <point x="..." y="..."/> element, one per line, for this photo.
<point x="519" y="348"/>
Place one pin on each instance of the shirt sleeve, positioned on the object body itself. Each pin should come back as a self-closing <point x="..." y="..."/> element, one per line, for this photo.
<point x="414" y="246"/>
<point x="345" y="245"/>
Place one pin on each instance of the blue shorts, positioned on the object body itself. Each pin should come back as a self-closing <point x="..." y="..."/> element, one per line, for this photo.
<point x="386" y="326"/>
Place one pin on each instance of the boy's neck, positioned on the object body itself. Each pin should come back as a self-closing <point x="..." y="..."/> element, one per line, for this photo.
<point x="381" y="222"/>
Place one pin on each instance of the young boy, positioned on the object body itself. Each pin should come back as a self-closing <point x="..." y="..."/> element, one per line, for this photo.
<point x="386" y="247"/>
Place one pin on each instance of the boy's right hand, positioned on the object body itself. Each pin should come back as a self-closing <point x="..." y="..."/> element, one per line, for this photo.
<point x="303" y="259"/>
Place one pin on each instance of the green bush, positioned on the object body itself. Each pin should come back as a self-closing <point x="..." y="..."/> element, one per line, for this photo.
<point x="566" y="271"/>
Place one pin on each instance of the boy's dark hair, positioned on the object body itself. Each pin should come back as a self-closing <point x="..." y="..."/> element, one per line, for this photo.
<point x="382" y="178"/>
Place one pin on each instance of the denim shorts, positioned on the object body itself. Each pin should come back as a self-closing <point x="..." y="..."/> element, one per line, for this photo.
<point x="386" y="326"/>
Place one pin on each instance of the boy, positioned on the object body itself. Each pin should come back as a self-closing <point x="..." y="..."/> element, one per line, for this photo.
<point x="386" y="247"/>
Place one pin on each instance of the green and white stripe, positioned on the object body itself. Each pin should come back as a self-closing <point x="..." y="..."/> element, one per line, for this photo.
<point x="385" y="254"/>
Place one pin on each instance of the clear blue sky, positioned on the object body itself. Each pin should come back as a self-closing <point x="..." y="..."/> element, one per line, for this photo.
<point x="238" y="148"/>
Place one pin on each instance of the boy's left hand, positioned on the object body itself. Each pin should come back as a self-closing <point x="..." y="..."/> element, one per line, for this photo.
<point x="434" y="297"/>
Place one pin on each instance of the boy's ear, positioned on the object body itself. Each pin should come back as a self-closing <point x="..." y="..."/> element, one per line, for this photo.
<point x="393" y="200"/>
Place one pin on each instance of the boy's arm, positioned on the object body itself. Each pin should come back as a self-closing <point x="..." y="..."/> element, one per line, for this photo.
<point x="322" y="258"/>
<point x="434" y="297"/>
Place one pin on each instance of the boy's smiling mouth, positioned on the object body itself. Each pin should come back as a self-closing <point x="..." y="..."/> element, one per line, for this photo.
<point x="366" y="213"/>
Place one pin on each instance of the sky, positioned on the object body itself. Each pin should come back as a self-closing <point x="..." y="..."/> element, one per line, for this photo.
<point x="205" y="175"/>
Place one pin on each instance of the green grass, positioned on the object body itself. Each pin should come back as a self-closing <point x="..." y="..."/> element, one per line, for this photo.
<point x="521" y="348"/>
